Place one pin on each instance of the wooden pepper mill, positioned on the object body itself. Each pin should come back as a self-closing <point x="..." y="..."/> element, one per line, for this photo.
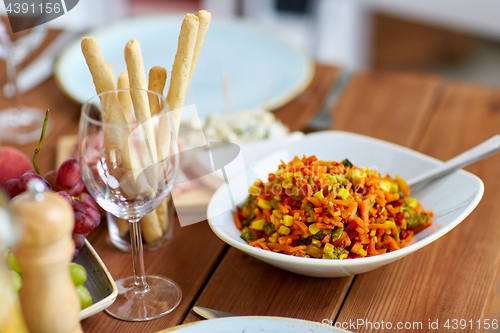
<point x="48" y="297"/>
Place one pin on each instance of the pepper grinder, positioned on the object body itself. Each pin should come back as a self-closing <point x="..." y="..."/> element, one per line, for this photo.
<point x="49" y="301"/>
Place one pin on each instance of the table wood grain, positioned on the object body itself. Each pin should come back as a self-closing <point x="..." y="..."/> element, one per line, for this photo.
<point x="452" y="278"/>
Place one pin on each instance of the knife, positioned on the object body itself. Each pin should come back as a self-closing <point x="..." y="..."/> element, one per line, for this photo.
<point x="42" y="67"/>
<point x="212" y="314"/>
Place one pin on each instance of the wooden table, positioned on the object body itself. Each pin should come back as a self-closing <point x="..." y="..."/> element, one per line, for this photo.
<point x="452" y="278"/>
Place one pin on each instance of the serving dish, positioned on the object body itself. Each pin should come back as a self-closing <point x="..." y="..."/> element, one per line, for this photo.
<point x="452" y="198"/>
<point x="99" y="281"/>
<point x="254" y="324"/>
<point x="263" y="68"/>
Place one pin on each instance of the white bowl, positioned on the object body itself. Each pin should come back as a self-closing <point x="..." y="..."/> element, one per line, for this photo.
<point x="452" y="198"/>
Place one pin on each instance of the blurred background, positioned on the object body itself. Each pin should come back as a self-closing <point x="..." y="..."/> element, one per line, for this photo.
<point x="456" y="38"/>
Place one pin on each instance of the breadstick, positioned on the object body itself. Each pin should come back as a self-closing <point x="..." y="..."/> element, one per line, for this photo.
<point x="157" y="79"/>
<point x="117" y="140"/>
<point x="137" y="79"/>
<point x="122" y="225"/>
<point x="163" y="218"/>
<point x="205" y="18"/>
<point x="112" y="73"/>
<point x="179" y="79"/>
<point x="150" y="227"/>
<point x="124" y="96"/>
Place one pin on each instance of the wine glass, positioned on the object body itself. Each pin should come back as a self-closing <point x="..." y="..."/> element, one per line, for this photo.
<point x="129" y="167"/>
<point x="19" y="124"/>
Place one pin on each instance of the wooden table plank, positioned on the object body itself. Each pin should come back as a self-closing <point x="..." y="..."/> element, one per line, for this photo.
<point x="244" y="285"/>
<point x="299" y="112"/>
<point x="454" y="277"/>
<point x="189" y="259"/>
<point x="390" y="106"/>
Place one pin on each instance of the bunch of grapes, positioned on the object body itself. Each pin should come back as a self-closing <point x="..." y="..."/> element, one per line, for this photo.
<point x="77" y="272"/>
<point x="66" y="182"/>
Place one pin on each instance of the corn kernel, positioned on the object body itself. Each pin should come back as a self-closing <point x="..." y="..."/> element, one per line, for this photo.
<point x="288" y="175"/>
<point x="264" y="204"/>
<point x="274" y="220"/>
<point x="288" y="220"/>
<point x="343" y="193"/>
<point x="343" y="256"/>
<point x="313" y="229"/>
<point x="411" y="202"/>
<point x="373" y="233"/>
<point x="328" y="249"/>
<point x="362" y="252"/>
<point x="287" y="183"/>
<point x="390" y="224"/>
<point x="258" y="224"/>
<point x="283" y="230"/>
<point x="319" y="195"/>
<point x="316" y="242"/>
<point x="385" y="185"/>
<point x="277" y="213"/>
<point x="277" y="198"/>
<point x="273" y="238"/>
<point x="299" y="174"/>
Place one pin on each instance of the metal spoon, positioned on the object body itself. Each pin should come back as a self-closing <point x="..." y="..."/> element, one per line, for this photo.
<point x="483" y="150"/>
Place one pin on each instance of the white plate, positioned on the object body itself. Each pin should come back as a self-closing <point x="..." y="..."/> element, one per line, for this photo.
<point x="452" y="198"/>
<point x="258" y="61"/>
<point x="255" y="324"/>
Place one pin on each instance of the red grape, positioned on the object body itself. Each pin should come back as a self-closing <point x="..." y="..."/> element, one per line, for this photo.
<point x="79" y="240"/>
<point x="66" y="196"/>
<point x="84" y="223"/>
<point x="11" y="188"/>
<point x="23" y="181"/>
<point x="51" y="177"/>
<point x="68" y="175"/>
<point x="89" y="210"/>
<point x="85" y="197"/>
<point x="77" y="189"/>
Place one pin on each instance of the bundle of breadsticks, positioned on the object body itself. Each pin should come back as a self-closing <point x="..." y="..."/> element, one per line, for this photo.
<point x="118" y="107"/>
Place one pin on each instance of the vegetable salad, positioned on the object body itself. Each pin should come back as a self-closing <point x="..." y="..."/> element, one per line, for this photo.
<point x="330" y="210"/>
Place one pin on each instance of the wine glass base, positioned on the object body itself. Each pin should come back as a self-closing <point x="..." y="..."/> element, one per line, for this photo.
<point x="22" y="124"/>
<point x="162" y="297"/>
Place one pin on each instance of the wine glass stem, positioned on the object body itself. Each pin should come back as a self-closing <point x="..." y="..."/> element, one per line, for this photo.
<point x="138" y="256"/>
<point x="10" y="89"/>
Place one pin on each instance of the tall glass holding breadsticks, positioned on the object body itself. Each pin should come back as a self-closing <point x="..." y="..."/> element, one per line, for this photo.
<point x="129" y="155"/>
<point x="129" y="167"/>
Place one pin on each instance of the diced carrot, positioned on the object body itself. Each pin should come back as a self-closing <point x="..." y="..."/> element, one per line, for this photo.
<point x="324" y="226"/>
<point x="356" y="247"/>
<point x="280" y="247"/>
<point x="326" y="239"/>
<point x="302" y="227"/>
<point x="378" y="226"/>
<point x="391" y="242"/>
<point x="237" y="221"/>
<point x="297" y="248"/>
<point x="255" y="242"/>
<point x="282" y="208"/>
